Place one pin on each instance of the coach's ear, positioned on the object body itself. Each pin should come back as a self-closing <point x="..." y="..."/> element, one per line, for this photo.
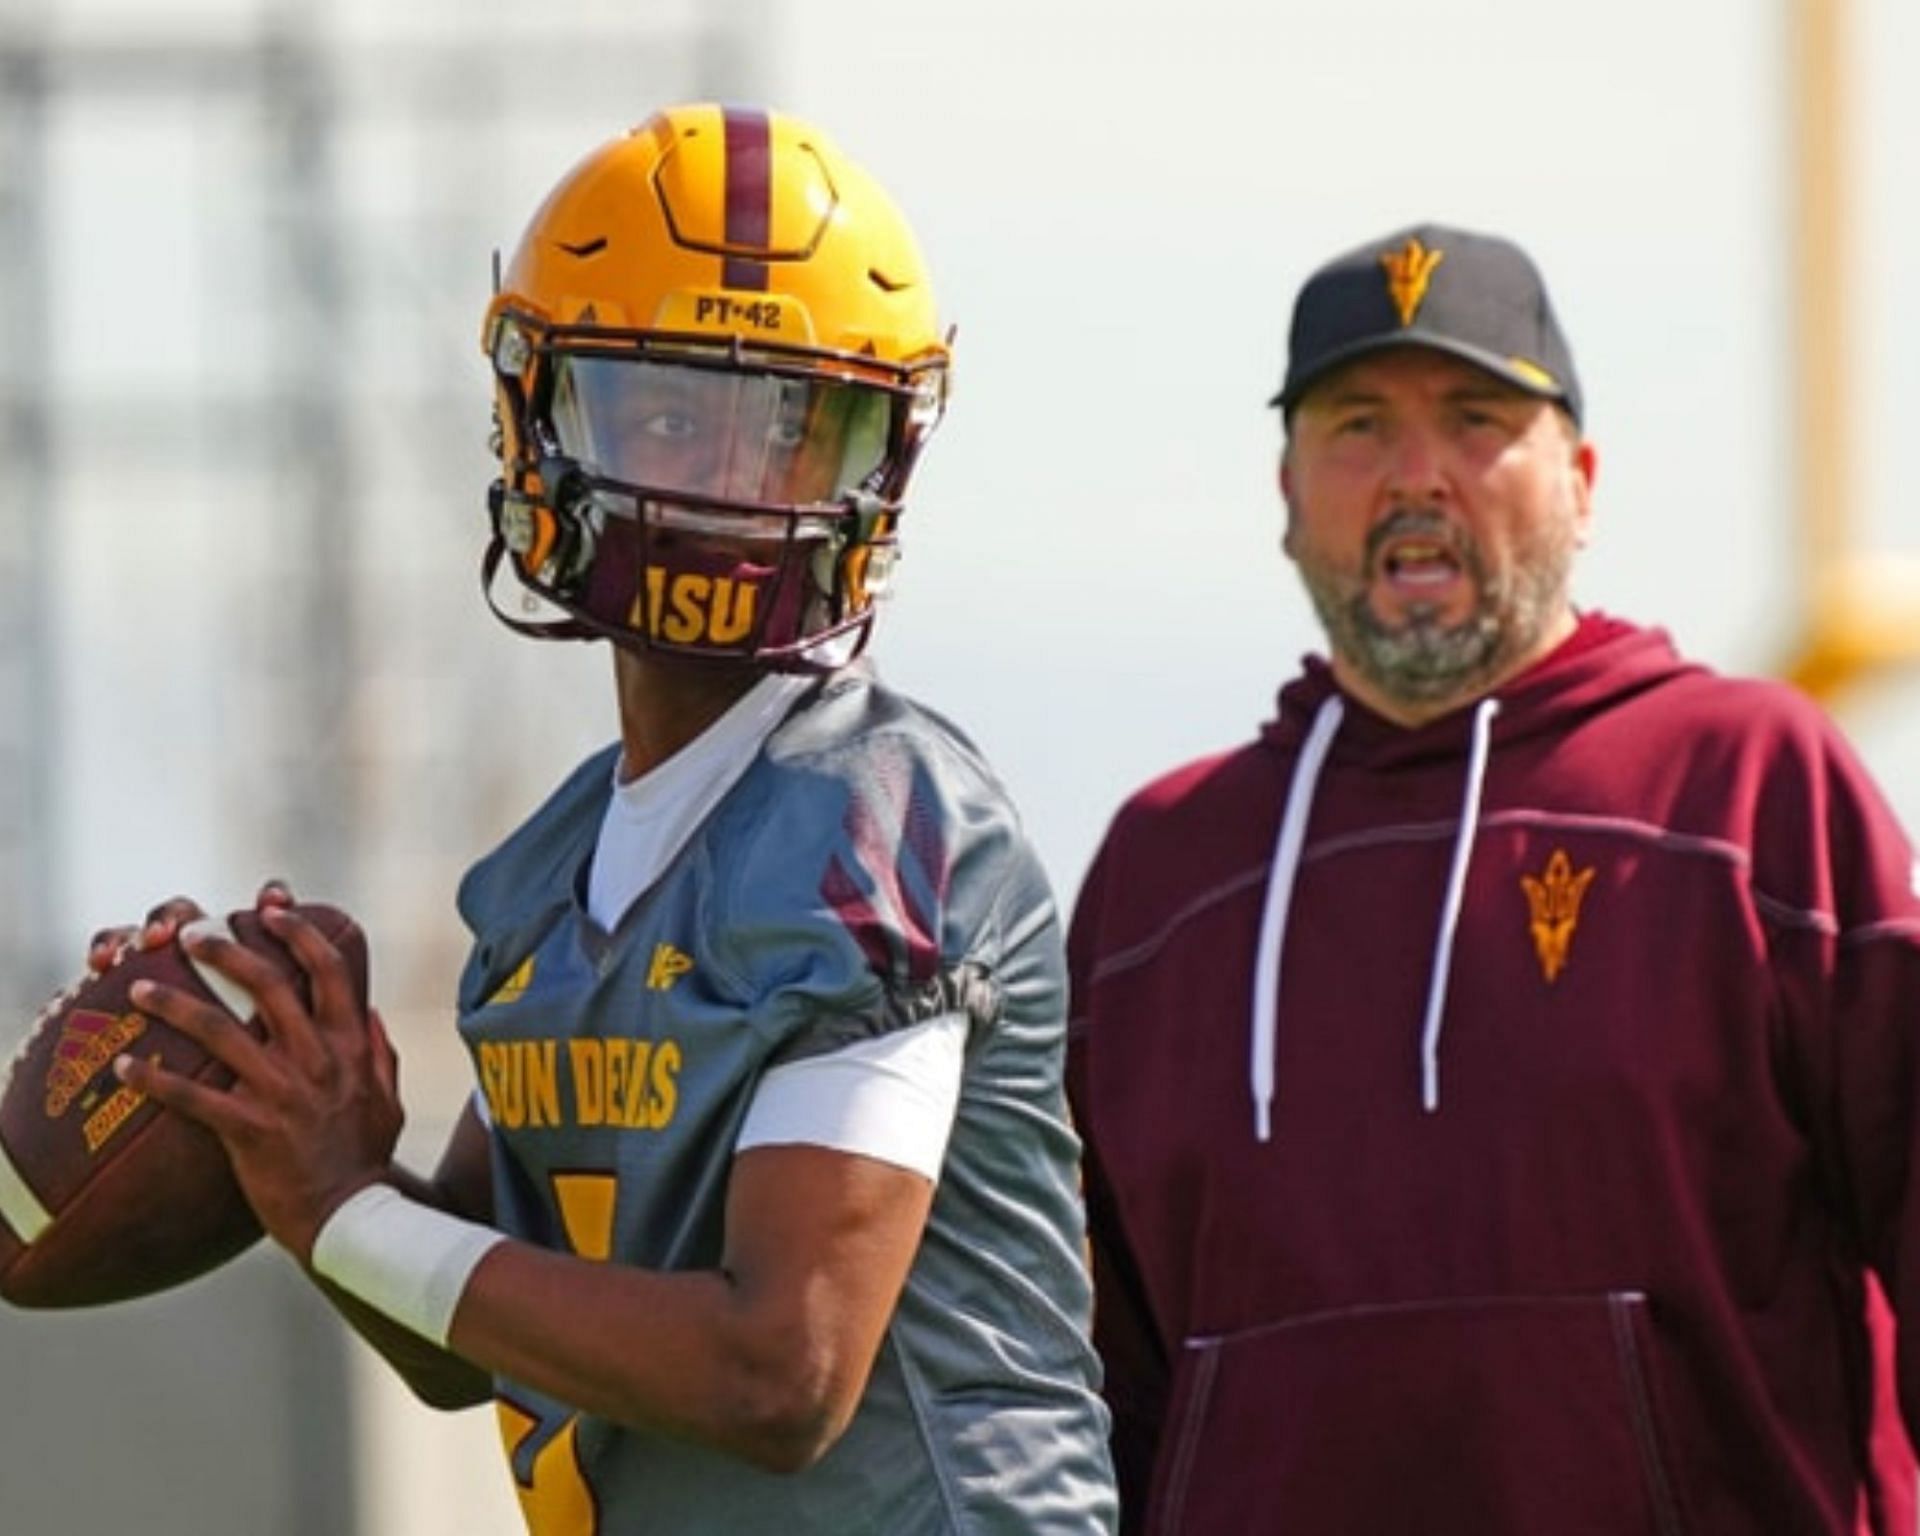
<point x="1584" y="468"/>
<point x="1285" y="480"/>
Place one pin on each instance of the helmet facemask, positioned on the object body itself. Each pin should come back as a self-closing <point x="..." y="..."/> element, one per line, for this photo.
<point x="714" y="502"/>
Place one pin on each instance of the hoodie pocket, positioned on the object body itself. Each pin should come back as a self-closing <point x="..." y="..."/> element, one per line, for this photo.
<point x="1503" y="1416"/>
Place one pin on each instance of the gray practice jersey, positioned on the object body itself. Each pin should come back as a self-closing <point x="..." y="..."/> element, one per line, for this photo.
<point x="865" y="874"/>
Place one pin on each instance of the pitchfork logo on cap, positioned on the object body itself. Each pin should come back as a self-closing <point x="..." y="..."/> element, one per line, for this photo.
<point x="1409" y="271"/>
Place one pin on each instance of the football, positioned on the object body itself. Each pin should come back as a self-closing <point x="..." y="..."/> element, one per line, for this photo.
<point x="104" y="1195"/>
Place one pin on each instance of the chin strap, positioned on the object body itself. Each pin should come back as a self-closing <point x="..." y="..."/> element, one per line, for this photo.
<point x="538" y="629"/>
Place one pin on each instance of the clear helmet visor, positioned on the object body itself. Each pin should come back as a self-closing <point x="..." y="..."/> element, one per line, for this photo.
<point x="756" y="438"/>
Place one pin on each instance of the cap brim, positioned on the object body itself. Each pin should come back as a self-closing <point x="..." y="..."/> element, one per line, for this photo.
<point x="1500" y="367"/>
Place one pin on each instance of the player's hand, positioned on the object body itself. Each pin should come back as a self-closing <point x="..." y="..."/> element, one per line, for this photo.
<point x="109" y="946"/>
<point x="314" y="1111"/>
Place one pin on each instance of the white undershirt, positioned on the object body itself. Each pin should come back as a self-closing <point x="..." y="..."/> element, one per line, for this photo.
<point x="649" y="819"/>
<point x="890" y="1098"/>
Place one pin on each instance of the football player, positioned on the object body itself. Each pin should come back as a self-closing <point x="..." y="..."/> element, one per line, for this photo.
<point x="764" y="1215"/>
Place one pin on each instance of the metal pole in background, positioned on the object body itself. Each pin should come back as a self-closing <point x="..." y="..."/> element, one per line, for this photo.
<point x="1823" y="211"/>
<point x="1863" y="608"/>
<point x="29" y="891"/>
<point x="310" y="630"/>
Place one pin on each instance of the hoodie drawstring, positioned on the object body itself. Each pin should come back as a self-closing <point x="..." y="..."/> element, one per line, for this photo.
<point x="1279" y="899"/>
<point x="1450" y="912"/>
<point x="1273" y="915"/>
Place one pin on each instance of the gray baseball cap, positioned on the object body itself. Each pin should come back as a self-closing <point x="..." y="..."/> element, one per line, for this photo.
<point x="1477" y="297"/>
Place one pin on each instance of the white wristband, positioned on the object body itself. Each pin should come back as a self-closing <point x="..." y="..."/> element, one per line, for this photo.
<point x="402" y="1258"/>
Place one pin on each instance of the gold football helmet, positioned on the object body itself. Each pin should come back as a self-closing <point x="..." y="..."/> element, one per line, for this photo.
<point x="716" y="358"/>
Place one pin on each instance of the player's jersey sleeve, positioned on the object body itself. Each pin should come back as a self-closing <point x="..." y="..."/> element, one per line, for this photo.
<point x="891" y="1097"/>
<point x="861" y="884"/>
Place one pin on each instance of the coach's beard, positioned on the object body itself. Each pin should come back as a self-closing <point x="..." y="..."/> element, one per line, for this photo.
<point x="1422" y="660"/>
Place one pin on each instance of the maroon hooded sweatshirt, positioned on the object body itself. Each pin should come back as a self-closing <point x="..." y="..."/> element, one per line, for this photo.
<point x="1548" y="1189"/>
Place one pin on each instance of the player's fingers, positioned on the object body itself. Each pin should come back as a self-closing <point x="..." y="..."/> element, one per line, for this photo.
<point x="212" y="1107"/>
<point x="225" y="964"/>
<point x="273" y="892"/>
<point x="336" y="1011"/>
<point x="213" y="1029"/>
<point x="109" y="946"/>
<point x="166" y="920"/>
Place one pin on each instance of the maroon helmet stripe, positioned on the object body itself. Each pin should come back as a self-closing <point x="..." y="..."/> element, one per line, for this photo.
<point x="749" y="196"/>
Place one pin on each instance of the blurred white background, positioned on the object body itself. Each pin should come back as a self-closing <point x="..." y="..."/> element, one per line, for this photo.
<point x="244" y="250"/>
